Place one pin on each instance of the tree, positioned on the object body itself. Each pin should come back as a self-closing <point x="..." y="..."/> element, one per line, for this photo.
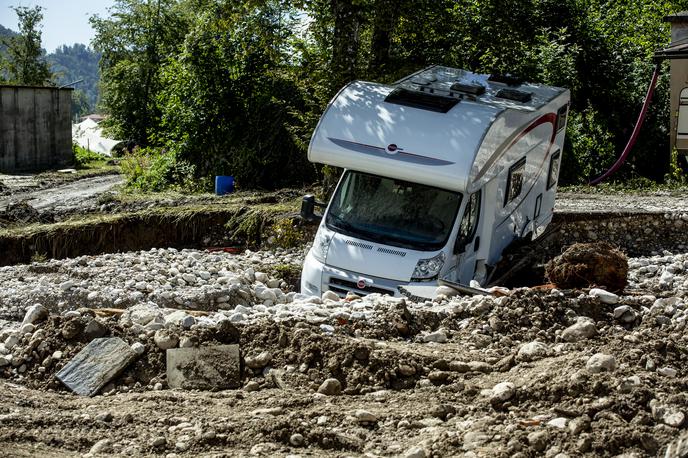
<point x="26" y="61"/>
<point x="135" y="42"/>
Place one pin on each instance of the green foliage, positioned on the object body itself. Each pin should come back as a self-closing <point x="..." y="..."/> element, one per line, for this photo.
<point x="286" y="234"/>
<point x="134" y="42"/>
<point x="84" y="157"/>
<point x="25" y="63"/>
<point x="153" y="170"/>
<point x="74" y="63"/>
<point x="228" y="103"/>
<point x="223" y="87"/>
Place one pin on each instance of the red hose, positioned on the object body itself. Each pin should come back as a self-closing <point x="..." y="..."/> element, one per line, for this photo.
<point x="636" y="130"/>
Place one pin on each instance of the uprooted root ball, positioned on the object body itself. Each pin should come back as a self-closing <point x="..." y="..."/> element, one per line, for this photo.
<point x="589" y="264"/>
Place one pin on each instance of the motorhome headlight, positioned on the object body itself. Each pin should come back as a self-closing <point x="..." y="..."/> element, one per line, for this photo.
<point x="321" y="244"/>
<point x="428" y="269"/>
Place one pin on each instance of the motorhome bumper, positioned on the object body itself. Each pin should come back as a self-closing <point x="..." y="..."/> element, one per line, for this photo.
<point x="343" y="282"/>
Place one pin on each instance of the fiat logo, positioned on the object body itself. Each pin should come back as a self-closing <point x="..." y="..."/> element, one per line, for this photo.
<point x="391" y="149"/>
<point x="361" y="283"/>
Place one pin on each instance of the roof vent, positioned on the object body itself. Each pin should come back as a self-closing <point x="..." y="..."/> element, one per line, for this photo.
<point x="422" y="100"/>
<point x="515" y="94"/>
<point x="508" y="79"/>
<point x="475" y="89"/>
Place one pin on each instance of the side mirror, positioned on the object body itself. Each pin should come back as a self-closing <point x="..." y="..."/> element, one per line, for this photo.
<point x="308" y="205"/>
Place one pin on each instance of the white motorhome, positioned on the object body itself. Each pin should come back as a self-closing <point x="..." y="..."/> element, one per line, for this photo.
<point x="442" y="171"/>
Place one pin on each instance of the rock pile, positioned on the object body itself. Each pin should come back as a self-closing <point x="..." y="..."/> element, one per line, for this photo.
<point x="552" y="371"/>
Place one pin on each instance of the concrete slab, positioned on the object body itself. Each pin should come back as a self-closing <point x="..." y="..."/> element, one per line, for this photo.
<point x="204" y="368"/>
<point x="93" y="367"/>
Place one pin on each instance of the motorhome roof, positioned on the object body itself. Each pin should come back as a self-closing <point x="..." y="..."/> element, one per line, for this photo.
<point x="484" y="89"/>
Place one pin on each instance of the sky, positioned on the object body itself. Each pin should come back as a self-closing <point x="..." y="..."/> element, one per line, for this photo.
<point x="65" y="22"/>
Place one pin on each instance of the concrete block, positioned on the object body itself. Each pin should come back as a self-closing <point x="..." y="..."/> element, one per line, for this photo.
<point x="204" y="368"/>
<point x="97" y="364"/>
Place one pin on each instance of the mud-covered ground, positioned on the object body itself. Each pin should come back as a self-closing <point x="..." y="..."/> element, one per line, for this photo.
<point x="541" y="372"/>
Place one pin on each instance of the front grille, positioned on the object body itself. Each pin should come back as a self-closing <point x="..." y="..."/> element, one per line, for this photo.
<point x="359" y="244"/>
<point x="394" y="252"/>
<point x="339" y="285"/>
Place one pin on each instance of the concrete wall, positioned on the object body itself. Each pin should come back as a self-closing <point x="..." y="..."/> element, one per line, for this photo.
<point x="35" y="128"/>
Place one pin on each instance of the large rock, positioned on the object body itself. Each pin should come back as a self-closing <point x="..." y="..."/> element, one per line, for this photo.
<point x="34" y="314"/>
<point x="532" y="351"/>
<point x="581" y="330"/>
<point x="589" y="264"/>
<point x="204" y="368"/>
<point x="96" y="365"/>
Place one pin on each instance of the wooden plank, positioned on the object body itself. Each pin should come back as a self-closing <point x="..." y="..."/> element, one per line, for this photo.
<point x="96" y="365"/>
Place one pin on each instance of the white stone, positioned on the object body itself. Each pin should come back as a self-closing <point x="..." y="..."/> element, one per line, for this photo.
<point x="559" y="422"/>
<point x="600" y="362"/>
<point x="502" y="392"/>
<point x="439" y="336"/>
<point x="583" y="329"/>
<point x="330" y="295"/>
<point x="605" y="296"/>
<point x="363" y="416"/>
<point x="667" y="371"/>
<point x="34" y="313"/>
<point x="138" y="348"/>
<point x="532" y="351"/>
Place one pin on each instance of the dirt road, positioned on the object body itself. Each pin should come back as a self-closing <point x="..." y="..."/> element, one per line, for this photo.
<point x="66" y="197"/>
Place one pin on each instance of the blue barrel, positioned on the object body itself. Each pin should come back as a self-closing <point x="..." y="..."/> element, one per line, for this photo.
<point x="224" y="185"/>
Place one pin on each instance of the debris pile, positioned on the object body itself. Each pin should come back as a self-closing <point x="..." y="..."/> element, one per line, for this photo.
<point x="589" y="264"/>
<point x="559" y="372"/>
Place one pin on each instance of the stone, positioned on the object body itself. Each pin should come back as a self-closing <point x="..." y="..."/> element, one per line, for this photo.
<point x="330" y="387"/>
<point x="363" y="416"/>
<point x="158" y="441"/>
<point x="674" y="418"/>
<point x="579" y="424"/>
<point x="296" y="440"/>
<point x="600" y="362"/>
<point x="678" y="448"/>
<point x="438" y="336"/>
<point x="103" y="446"/>
<point x="605" y="296"/>
<point x="72" y="328"/>
<point x="532" y="351"/>
<point x="215" y="367"/>
<point x="252" y="386"/>
<point x="165" y="339"/>
<point x="34" y="314"/>
<point x="187" y="342"/>
<point x="538" y="440"/>
<point x="94" y="329"/>
<point x="667" y="371"/>
<point x="406" y="370"/>
<point x="138" y="348"/>
<point x="95" y="365"/>
<point x="502" y="392"/>
<point x="416" y="452"/>
<point x="559" y="422"/>
<point x="259" y="361"/>
<point x="330" y="295"/>
<point x="581" y="330"/>
<point x="28" y="328"/>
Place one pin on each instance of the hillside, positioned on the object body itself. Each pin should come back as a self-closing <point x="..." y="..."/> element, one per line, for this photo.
<point x="75" y="62"/>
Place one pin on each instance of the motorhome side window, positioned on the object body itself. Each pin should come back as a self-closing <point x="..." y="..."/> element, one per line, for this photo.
<point x="469" y="222"/>
<point x="514" y="184"/>
<point x="553" y="169"/>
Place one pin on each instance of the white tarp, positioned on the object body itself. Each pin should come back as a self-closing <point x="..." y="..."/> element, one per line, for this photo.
<point x="89" y="135"/>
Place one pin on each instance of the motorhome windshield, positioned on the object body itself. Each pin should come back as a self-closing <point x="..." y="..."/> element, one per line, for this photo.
<point x="393" y="212"/>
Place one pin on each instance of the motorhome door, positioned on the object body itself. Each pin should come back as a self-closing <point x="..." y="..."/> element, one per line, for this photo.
<point x="467" y="242"/>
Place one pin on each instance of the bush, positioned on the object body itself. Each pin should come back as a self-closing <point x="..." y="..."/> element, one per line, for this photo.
<point x="155" y="170"/>
<point x="83" y="156"/>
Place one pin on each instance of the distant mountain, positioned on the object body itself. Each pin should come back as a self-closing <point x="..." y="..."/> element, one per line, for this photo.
<point x="76" y="62"/>
<point x="5" y="33"/>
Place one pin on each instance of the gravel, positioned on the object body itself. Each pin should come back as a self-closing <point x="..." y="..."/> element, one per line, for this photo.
<point x="552" y="372"/>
